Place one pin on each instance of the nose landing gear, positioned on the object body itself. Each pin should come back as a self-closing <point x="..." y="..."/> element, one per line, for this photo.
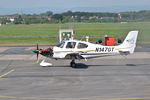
<point x="73" y="64"/>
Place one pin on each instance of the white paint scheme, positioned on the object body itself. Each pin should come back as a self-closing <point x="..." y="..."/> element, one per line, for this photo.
<point x="91" y="50"/>
<point x="97" y="50"/>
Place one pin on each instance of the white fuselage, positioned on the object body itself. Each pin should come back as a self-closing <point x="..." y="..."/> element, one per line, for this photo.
<point x="74" y="49"/>
<point x="90" y="50"/>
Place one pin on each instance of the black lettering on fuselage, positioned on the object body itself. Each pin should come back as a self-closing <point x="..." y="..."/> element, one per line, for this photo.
<point x="105" y="49"/>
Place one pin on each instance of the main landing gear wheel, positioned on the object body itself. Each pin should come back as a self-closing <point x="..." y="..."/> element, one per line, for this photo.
<point x="73" y="64"/>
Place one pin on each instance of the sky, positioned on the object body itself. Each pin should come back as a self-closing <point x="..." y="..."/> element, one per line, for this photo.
<point x="58" y="6"/>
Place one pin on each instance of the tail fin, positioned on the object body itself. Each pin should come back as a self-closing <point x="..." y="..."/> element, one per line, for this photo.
<point x="129" y="43"/>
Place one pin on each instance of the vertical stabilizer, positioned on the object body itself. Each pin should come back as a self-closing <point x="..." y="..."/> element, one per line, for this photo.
<point x="129" y="43"/>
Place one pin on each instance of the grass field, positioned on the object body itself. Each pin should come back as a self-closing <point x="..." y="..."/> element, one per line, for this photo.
<point x="98" y="30"/>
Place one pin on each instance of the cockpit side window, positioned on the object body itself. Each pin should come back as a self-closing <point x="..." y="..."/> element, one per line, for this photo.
<point x="71" y="45"/>
<point x="82" y="46"/>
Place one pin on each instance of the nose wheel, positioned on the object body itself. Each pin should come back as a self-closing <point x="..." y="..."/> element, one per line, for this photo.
<point x="73" y="64"/>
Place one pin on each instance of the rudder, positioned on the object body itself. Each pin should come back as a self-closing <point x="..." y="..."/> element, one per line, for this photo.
<point x="130" y="42"/>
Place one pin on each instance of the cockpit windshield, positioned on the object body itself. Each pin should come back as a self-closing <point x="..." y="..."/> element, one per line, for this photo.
<point x="60" y="45"/>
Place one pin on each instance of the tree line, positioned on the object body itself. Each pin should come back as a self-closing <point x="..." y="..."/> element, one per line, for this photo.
<point x="69" y="16"/>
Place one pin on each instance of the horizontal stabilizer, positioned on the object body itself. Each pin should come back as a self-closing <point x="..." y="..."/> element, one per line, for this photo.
<point x="124" y="52"/>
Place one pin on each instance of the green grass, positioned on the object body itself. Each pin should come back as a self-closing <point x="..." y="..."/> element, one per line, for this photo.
<point x="81" y="29"/>
<point x="26" y="41"/>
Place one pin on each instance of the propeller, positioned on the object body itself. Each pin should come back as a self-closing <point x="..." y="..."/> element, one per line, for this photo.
<point x="37" y="53"/>
<point x="45" y="52"/>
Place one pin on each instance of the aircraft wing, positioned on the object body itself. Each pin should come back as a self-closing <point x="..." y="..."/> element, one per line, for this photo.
<point x="85" y="55"/>
<point x="74" y="56"/>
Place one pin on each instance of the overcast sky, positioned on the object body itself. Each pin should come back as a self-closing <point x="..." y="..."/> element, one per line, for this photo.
<point x="83" y="5"/>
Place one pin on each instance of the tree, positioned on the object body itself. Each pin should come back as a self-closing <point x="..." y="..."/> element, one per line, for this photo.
<point x="58" y="17"/>
<point x="48" y="13"/>
<point x="18" y="19"/>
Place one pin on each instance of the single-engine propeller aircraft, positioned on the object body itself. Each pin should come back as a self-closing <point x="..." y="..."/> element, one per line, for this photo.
<point x="76" y="50"/>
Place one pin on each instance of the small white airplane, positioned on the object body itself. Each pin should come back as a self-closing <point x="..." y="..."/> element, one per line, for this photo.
<point x="76" y="50"/>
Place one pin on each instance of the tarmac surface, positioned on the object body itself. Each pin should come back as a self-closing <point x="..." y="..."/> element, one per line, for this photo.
<point x="107" y="78"/>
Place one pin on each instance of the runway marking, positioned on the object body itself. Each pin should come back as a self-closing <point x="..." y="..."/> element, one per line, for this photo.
<point x="131" y="98"/>
<point x="5" y="74"/>
<point x="38" y="98"/>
